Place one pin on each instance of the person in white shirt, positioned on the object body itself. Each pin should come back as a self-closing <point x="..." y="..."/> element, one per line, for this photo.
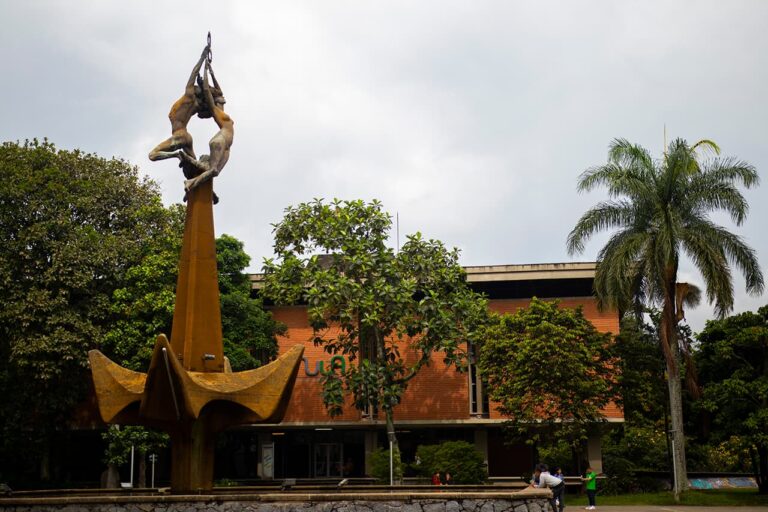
<point x="546" y="480"/>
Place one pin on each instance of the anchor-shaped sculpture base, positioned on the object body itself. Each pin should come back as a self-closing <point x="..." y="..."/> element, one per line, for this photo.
<point x="189" y="390"/>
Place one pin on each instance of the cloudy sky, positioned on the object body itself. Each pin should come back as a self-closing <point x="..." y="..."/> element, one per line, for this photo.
<point x="472" y="120"/>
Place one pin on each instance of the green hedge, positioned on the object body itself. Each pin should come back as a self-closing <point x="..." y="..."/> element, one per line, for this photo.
<point x="459" y="458"/>
<point x="380" y="465"/>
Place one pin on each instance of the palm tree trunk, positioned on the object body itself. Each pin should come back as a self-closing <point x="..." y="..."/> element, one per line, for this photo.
<point x="669" y="343"/>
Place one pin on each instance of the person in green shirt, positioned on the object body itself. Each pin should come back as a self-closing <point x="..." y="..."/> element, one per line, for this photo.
<point x="591" y="479"/>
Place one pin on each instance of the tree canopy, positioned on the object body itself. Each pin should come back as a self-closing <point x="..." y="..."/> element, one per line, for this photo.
<point x="72" y="225"/>
<point x="733" y="359"/>
<point x="387" y="311"/>
<point x="548" y="366"/>
<point x="143" y="307"/>
<point x="249" y="331"/>
<point x="640" y="368"/>
<point x="89" y="260"/>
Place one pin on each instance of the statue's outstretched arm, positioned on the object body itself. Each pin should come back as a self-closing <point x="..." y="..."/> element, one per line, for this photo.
<point x="215" y="82"/>
<point x="196" y="70"/>
<point x="207" y="88"/>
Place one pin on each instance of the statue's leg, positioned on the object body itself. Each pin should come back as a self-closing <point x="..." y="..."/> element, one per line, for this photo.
<point x="194" y="182"/>
<point x="169" y="147"/>
<point x="219" y="152"/>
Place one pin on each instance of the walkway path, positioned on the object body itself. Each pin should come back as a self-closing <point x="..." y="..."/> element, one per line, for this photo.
<point x="666" y="508"/>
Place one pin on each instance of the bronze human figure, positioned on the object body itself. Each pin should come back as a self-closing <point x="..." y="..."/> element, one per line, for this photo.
<point x="181" y="112"/>
<point x="211" y="165"/>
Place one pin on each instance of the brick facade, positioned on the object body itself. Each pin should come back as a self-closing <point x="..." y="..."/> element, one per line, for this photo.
<point x="308" y="443"/>
<point x="438" y="394"/>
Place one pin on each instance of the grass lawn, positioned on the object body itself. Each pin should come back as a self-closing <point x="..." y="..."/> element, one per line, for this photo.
<point x="720" y="497"/>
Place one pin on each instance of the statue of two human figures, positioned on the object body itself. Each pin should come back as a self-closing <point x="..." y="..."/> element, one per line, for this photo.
<point x="206" y="100"/>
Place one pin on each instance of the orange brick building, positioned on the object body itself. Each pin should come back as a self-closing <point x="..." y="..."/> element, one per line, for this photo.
<point x="439" y="404"/>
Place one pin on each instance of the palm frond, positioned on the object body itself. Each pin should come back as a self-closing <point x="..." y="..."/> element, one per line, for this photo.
<point x="619" y="263"/>
<point x="628" y="155"/>
<point x="732" y="170"/>
<point x="653" y="272"/>
<point x="686" y="295"/>
<point x="605" y="215"/>
<point x="701" y="245"/>
<point x="743" y="257"/>
<point x="706" y="195"/>
<point x="618" y="180"/>
<point x="706" y="145"/>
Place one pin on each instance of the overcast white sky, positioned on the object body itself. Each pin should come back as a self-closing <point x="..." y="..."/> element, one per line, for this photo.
<point x="472" y="119"/>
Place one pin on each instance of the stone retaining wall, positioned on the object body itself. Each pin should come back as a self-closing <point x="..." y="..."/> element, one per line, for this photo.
<point x="528" y="502"/>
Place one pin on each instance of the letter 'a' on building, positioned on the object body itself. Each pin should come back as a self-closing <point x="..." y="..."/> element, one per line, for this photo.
<point x="441" y="403"/>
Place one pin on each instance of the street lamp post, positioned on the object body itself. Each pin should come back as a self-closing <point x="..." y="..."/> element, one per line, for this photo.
<point x="153" y="459"/>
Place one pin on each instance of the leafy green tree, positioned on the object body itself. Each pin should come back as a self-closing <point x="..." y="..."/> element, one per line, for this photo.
<point x="72" y="224"/>
<point x="120" y="440"/>
<point x="89" y="260"/>
<point x="387" y="312"/>
<point x="548" y="366"/>
<point x="637" y="446"/>
<point x="249" y="331"/>
<point x="661" y="212"/>
<point x="640" y="442"/>
<point x="640" y="365"/>
<point x="459" y="458"/>
<point x="733" y="358"/>
<point x="143" y="307"/>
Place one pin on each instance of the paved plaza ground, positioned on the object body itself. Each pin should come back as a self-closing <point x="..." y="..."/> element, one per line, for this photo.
<point x="668" y="508"/>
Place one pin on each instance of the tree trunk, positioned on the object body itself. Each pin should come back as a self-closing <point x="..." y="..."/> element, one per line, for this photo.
<point x="670" y="346"/>
<point x="761" y="473"/>
<point x="141" y="481"/>
<point x="677" y="434"/>
<point x="111" y="477"/>
<point x="392" y="437"/>
<point x="45" y="463"/>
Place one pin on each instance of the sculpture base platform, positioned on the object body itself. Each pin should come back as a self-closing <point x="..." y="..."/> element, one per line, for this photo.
<point x="192" y="406"/>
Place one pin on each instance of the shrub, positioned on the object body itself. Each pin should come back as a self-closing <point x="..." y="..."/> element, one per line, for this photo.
<point x="633" y="449"/>
<point x="559" y="454"/>
<point x="459" y="458"/>
<point x="380" y="465"/>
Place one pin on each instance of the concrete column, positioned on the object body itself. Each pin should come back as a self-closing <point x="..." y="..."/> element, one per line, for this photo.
<point x="594" y="452"/>
<point x="264" y="438"/>
<point x="481" y="443"/>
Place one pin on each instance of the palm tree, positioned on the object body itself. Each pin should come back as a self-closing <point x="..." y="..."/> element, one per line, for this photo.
<point x="660" y="211"/>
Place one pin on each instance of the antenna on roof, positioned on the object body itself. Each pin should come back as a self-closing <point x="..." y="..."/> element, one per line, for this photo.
<point x="397" y="229"/>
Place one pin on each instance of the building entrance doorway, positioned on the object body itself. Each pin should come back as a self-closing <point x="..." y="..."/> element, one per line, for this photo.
<point x="329" y="460"/>
<point x="319" y="454"/>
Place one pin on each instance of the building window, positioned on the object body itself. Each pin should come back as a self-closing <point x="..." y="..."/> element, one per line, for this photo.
<point x="478" y="397"/>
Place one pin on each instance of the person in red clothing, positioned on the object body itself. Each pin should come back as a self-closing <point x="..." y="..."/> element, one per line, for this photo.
<point x="436" y="479"/>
